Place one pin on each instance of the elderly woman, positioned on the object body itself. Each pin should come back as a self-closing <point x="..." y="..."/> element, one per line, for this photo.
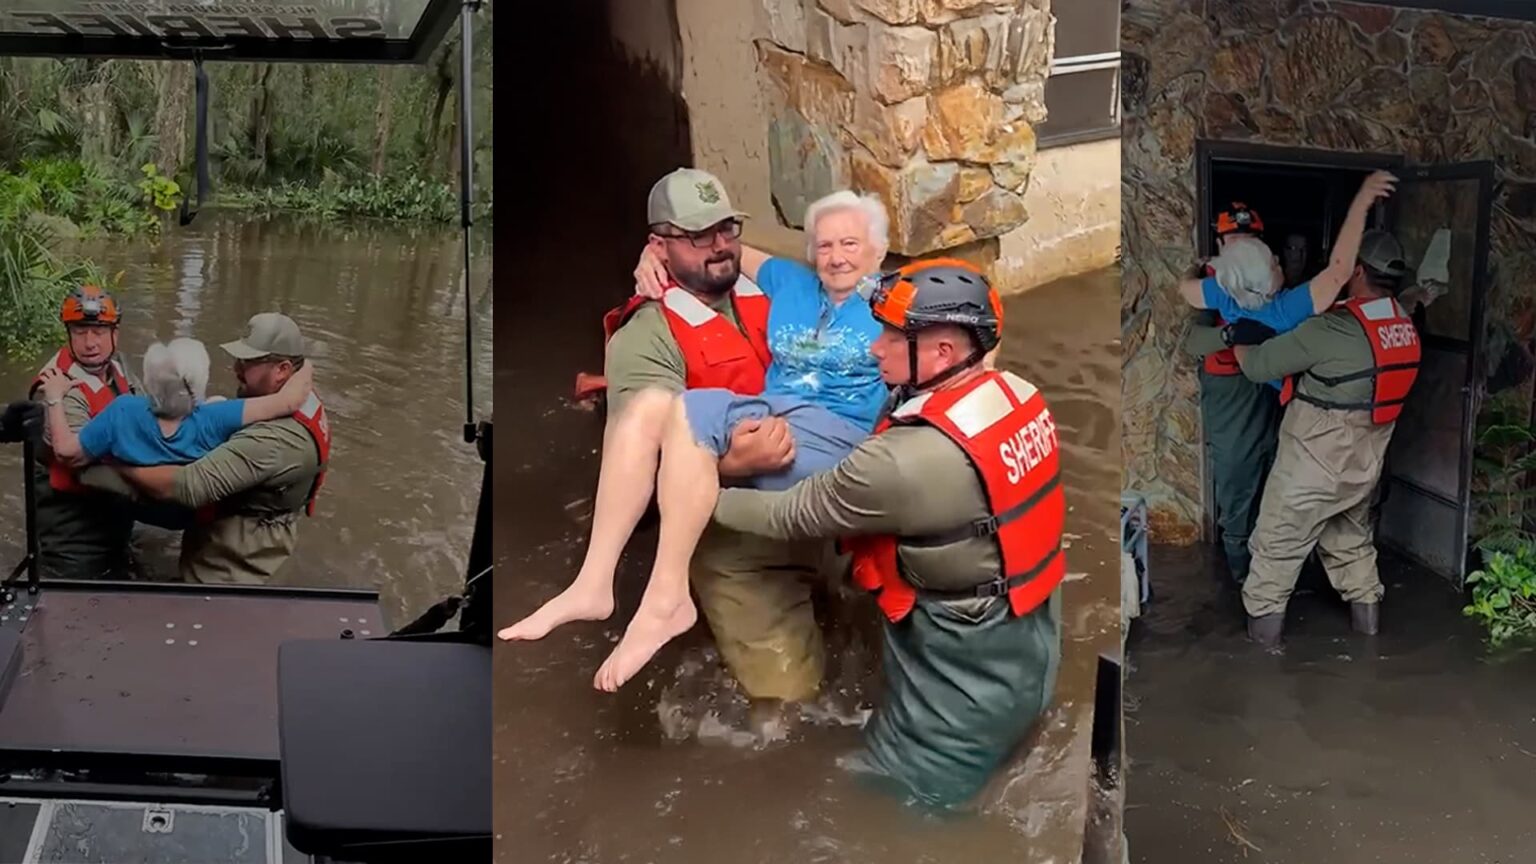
<point x="174" y="423"/>
<point x="822" y="381"/>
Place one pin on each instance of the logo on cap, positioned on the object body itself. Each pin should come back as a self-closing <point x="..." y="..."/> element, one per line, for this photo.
<point x="708" y="193"/>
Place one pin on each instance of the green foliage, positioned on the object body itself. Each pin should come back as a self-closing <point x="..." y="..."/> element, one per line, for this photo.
<point x="1504" y="590"/>
<point x="396" y="198"/>
<point x="87" y="195"/>
<point x="333" y="128"/>
<point x="106" y="146"/>
<point x="1504" y="593"/>
<point x="33" y="283"/>
<point x="160" y="191"/>
<point x="1500" y="498"/>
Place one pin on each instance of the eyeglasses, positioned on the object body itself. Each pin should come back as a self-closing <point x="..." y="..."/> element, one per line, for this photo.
<point x="730" y="229"/>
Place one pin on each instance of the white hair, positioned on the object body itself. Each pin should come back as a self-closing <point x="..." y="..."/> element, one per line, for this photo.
<point x="176" y="377"/>
<point x="1245" y="270"/>
<point x="870" y="206"/>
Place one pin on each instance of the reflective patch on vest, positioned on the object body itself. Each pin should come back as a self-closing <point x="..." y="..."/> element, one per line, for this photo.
<point x="687" y="307"/>
<point x="78" y="373"/>
<point x="911" y="407"/>
<point x="310" y="406"/>
<point x="747" y="288"/>
<point x="1022" y="390"/>
<point x="1381" y="309"/>
<point x="979" y="409"/>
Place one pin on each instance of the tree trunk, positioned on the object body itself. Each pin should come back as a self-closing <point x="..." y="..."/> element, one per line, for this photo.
<point x="97" y="126"/>
<point x="381" y="119"/>
<point x="444" y="71"/>
<point x="171" y="112"/>
<point x="261" y="116"/>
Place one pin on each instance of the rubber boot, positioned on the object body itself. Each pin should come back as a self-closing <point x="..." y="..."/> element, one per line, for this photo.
<point x="1365" y="617"/>
<point x="1266" y="629"/>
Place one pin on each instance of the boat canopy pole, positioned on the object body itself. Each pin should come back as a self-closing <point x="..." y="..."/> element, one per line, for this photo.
<point x="188" y="214"/>
<point x="466" y="201"/>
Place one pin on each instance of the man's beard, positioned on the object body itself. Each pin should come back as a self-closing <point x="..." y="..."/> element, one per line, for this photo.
<point x="710" y="279"/>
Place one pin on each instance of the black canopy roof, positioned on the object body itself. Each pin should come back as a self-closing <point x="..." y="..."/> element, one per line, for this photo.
<point x="312" y="31"/>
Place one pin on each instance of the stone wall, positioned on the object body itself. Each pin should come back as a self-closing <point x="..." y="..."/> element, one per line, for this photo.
<point x="1329" y="75"/>
<point x="928" y="103"/>
<point x="726" y="106"/>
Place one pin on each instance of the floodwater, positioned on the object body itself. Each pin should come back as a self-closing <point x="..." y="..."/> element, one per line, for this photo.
<point x="1417" y="746"/>
<point x="671" y="770"/>
<point x="398" y="506"/>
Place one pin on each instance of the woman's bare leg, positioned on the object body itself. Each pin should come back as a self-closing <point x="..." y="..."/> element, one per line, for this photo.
<point x="624" y="484"/>
<point x="687" y="489"/>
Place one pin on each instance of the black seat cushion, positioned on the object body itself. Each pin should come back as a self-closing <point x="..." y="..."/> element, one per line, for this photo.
<point x="386" y="749"/>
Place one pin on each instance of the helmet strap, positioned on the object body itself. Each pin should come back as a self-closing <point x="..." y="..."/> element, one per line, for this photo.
<point x="914" y="386"/>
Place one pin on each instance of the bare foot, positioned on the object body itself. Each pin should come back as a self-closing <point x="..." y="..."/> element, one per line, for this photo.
<point x="654" y="625"/>
<point x="576" y="603"/>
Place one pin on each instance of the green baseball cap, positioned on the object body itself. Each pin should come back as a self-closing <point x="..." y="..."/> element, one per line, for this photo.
<point x="690" y="199"/>
<point x="270" y="333"/>
<point x="1381" y="252"/>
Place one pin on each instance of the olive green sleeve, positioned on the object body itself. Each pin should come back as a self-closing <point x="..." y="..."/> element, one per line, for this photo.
<point x="76" y="413"/>
<point x="259" y="454"/>
<point x="1202" y="340"/>
<point x="858" y="496"/>
<point x="104" y="478"/>
<point x="1289" y="353"/>
<point x="642" y="354"/>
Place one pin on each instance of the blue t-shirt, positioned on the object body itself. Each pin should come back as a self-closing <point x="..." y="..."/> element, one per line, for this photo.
<point x="127" y="431"/>
<point x="821" y="351"/>
<point x="1282" y="314"/>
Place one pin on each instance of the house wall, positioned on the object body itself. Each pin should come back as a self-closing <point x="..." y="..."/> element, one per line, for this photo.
<point x="1341" y="76"/>
<point x="1073" y="203"/>
<point x="930" y="104"/>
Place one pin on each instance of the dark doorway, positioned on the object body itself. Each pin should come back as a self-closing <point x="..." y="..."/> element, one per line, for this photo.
<point x="1426" y="494"/>
<point x="1301" y="207"/>
<point x="595" y="124"/>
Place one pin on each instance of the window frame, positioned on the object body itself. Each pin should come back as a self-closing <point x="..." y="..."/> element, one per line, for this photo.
<point x="1079" y="63"/>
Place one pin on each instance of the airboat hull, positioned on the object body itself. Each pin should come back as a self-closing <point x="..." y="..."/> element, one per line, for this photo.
<point x="138" y="677"/>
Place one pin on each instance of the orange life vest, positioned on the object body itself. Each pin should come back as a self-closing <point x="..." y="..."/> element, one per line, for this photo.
<point x="311" y="415"/>
<point x="1002" y="423"/>
<point x="1395" y="353"/>
<point x="98" y="395"/>
<point x="1223" y="362"/>
<point x="715" y="352"/>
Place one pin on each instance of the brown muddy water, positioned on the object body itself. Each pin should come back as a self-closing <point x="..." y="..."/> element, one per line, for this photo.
<point x="398" y="507"/>
<point x="1417" y="746"/>
<point x="670" y="770"/>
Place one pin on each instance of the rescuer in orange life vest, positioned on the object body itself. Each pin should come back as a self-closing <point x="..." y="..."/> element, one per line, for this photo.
<point x="953" y="512"/>
<point x="252" y="491"/>
<point x="1347" y="373"/>
<point x="1239" y="417"/>
<point x="83" y="534"/>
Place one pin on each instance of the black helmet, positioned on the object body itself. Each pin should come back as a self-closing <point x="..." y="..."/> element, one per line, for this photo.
<point x="940" y="291"/>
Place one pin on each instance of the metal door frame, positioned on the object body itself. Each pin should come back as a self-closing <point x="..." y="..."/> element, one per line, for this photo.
<point x="1475" y="343"/>
<point x="1208" y="152"/>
